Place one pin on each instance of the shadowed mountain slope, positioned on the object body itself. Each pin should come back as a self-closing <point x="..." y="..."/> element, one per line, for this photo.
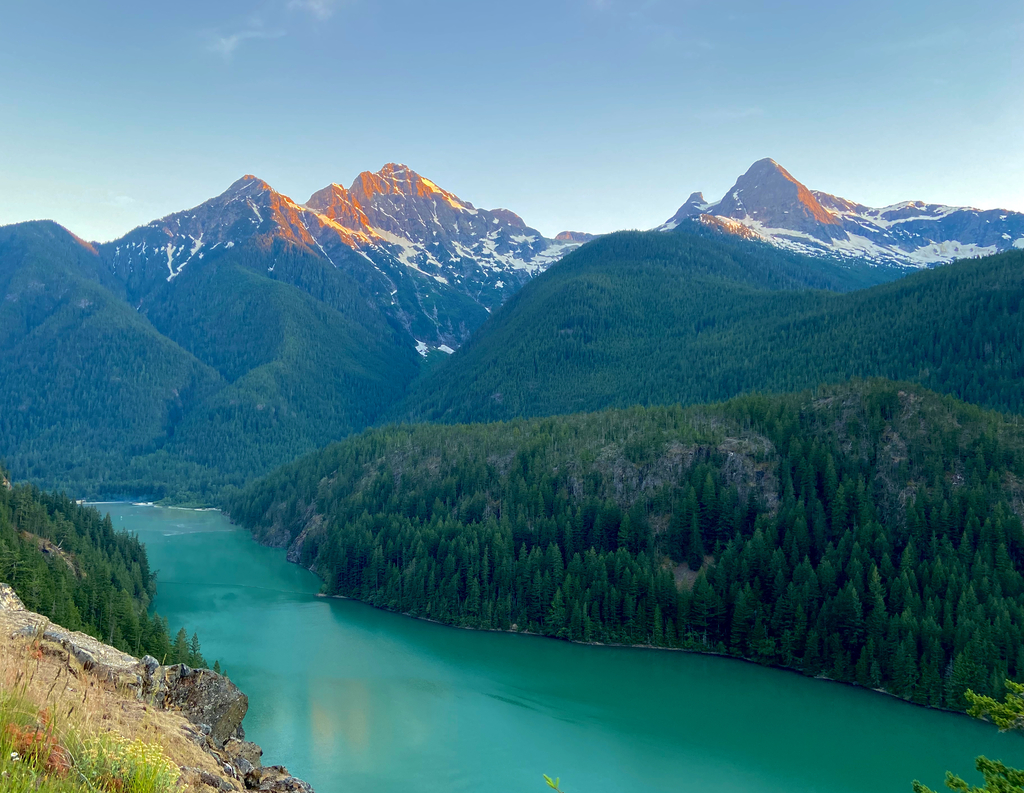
<point x="222" y="372"/>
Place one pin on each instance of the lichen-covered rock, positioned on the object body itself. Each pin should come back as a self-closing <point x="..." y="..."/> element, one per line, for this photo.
<point x="235" y="750"/>
<point x="204" y="698"/>
<point x="91" y="654"/>
<point x="206" y="778"/>
<point x="245" y="759"/>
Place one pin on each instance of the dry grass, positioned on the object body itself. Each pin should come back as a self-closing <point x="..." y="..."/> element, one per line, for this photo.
<point x="78" y="703"/>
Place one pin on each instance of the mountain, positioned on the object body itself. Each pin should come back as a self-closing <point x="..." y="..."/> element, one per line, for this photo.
<point x="652" y="318"/>
<point x="486" y="254"/>
<point x="215" y="343"/>
<point x="767" y="203"/>
<point x="574" y="236"/>
<point x="83" y="377"/>
<point x="432" y="262"/>
<point x="830" y="532"/>
<point x="222" y="372"/>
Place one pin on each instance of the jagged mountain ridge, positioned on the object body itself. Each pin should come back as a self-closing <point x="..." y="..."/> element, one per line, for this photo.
<point x="767" y="203"/>
<point x="218" y="342"/>
<point x="433" y="230"/>
<point x="411" y="243"/>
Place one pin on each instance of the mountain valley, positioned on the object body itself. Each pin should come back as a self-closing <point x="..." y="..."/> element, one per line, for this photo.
<point x="379" y="389"/>
<point x="213" y="344"/>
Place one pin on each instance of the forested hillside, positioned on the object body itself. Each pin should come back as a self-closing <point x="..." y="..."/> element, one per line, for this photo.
<point x="869" y="532"/>
<point x="208" y="379"/>
<point x="299" y="369"/>
<point x="651" y="318"/>
<point x="115" y="381"/>
<point x="66" y="562"/>
<point x="184" y="385"/>
<point x="85" y="381"/>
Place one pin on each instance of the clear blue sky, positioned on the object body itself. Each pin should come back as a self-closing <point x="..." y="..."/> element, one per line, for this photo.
<point x="578" y="114"/>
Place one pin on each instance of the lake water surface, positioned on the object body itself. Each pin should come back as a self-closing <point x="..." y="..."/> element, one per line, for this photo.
<point x="356" y="700"/>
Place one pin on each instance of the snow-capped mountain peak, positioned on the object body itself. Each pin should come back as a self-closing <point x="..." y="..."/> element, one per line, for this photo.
<point x="432" y="230"/>
<point x="769" y="194"/>
<point x="248" y="210"/>
<point x="768" y="203"/>
<point x="694" y="207"/>
<point x="395" y="229"/>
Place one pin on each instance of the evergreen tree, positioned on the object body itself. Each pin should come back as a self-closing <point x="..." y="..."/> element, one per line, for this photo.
<point x="195" y="656"/>
<point x="65" y="561"/>
<point x="180" y="649"/>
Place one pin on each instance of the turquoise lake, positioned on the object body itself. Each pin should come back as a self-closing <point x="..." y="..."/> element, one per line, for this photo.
<point x="355" y="700"/>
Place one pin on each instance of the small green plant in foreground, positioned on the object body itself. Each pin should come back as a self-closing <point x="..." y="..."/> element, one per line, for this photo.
<point x="553" y="783"/>
<point x="1006" y="715"/>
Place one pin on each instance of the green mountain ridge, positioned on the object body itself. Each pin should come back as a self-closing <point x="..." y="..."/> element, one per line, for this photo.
<point x="651" y="318"/>
<point x="298" y="369"/>
<point x="180" y="387"/>
<point x="222" y="373"/>
<point x="84" y="379"/>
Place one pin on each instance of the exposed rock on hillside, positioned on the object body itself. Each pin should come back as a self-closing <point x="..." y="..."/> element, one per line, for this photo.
<point x="205" y="698"/>
<point x="203" y="707"/>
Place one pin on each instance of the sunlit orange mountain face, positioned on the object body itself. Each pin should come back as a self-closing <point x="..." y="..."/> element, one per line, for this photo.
<point x="767" y="203"/>
<point x="437" y="263"/>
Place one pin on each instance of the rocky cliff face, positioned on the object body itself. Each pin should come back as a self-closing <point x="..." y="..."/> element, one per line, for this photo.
<point x="767" y="203"/>
<point x="403" y="214"/>
<point x="211" y="706"/>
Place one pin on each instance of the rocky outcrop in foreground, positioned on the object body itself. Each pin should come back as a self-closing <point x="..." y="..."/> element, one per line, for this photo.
<point x="212" y="705"/>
